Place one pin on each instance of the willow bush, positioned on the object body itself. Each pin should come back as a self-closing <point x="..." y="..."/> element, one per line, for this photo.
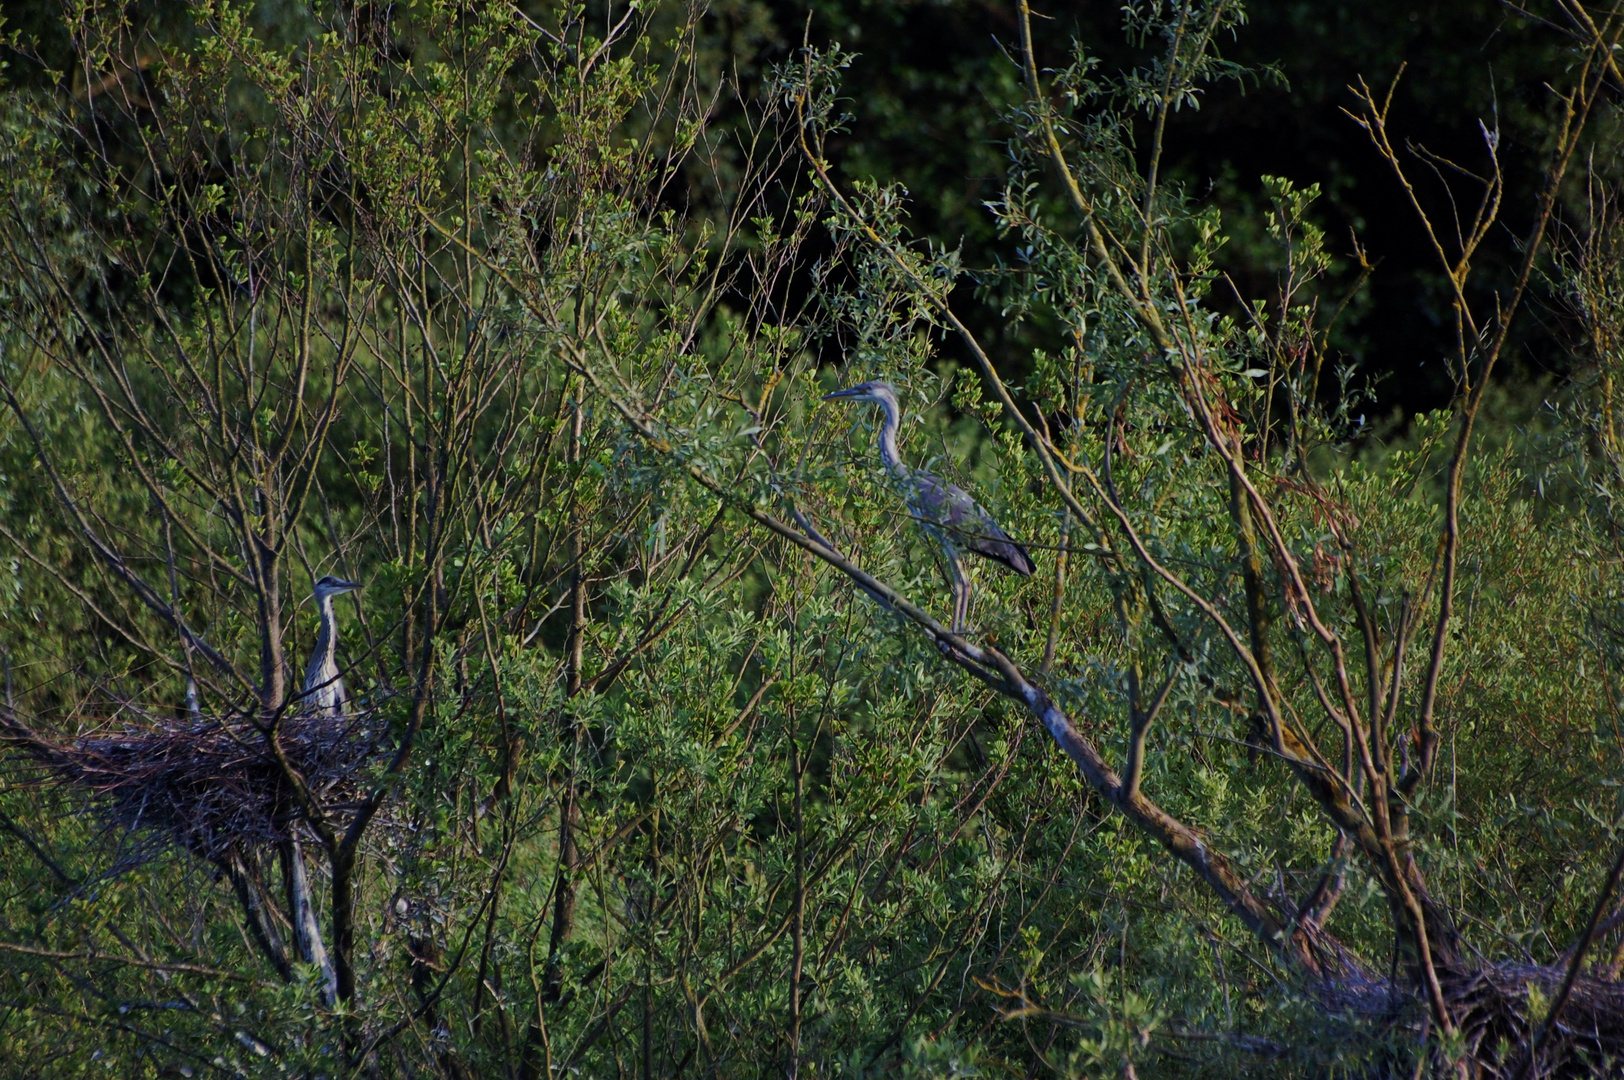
<point x="1294" y="758"/>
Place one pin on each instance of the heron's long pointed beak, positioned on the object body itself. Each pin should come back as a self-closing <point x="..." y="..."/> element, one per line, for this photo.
<point x="349" y="586"/>
<point x="850" y="391"/>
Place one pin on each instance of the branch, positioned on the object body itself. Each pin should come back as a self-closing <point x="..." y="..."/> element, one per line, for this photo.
<point x="92" y="956"/>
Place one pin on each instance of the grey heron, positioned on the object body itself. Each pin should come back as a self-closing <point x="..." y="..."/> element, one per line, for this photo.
<point x="947" y="513"/>
<point x="323" y="690"/>
<point x="322" y="695"/>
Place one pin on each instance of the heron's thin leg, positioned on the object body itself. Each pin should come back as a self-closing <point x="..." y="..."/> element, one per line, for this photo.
<point x="961" y="591"/>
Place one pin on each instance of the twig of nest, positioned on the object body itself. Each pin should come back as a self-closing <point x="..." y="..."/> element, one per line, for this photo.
<point x="206" y="786"/>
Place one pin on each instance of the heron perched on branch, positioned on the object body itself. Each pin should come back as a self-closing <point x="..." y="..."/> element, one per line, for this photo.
<point x="949" y="516"/>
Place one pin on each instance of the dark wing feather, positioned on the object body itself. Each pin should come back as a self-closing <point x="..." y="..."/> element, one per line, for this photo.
<point x="968" y="526"/>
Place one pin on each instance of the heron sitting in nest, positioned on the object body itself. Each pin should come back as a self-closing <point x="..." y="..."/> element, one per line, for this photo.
<point x="323" y="690"/>
<point x="322" y="694"/>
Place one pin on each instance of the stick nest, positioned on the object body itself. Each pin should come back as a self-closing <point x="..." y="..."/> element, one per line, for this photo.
<point x="206" y="786"/>
<point x="1498" y="1007"/>
<point x="1493" y="1004"/>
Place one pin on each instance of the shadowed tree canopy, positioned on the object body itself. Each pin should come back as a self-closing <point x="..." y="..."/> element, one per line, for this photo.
<point x="929" y="84"/>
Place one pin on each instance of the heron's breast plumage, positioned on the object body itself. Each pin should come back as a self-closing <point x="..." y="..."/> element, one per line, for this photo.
<point x="962" y="523"/>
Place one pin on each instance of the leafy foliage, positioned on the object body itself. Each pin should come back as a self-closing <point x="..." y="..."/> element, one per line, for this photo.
<point x="674" y="769"/>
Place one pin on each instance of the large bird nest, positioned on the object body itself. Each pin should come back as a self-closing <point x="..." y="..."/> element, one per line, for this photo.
<point x="209" y="785"/>
<point x="1499" y="1006"/>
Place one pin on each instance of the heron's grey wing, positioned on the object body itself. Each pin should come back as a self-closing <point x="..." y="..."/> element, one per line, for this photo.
<point x="968" y="524"/>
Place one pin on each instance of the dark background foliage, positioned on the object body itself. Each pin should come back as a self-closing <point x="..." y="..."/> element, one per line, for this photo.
<point x="932" y="79"/>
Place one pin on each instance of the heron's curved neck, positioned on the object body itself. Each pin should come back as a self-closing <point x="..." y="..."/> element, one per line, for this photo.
<point x="326" y="637"/>
<point x="321" y="674"/>
<point x="888" y="439"/>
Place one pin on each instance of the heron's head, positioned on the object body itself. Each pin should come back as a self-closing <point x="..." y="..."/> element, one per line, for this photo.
<point x="877" y="391"/>
<point x="327" y="585"/>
